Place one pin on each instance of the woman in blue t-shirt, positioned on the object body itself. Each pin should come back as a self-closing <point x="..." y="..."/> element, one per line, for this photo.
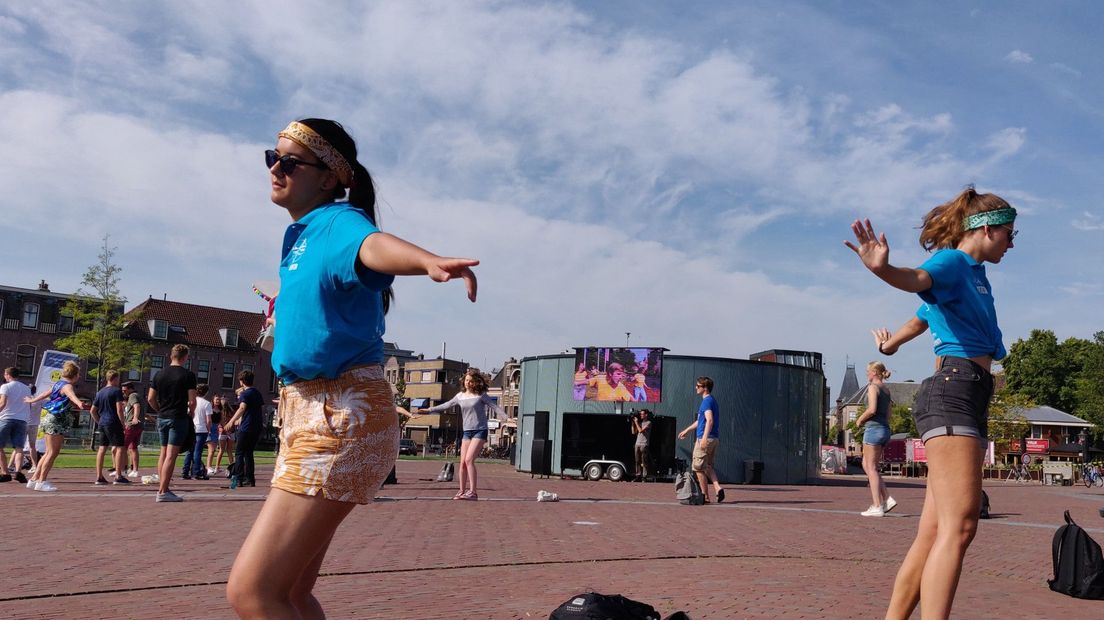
<point x="339" y="436"/>
<point x="952" y="406"/>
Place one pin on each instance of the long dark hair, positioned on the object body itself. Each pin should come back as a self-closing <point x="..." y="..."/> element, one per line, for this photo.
<point x="362" y="194"/>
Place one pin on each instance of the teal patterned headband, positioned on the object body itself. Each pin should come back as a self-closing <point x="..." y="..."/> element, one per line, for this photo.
<point x="996" y="217"/>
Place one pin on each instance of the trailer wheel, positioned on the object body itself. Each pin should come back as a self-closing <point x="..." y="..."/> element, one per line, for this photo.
<point x="616" y="472"/>
<point x="594" y="471"/>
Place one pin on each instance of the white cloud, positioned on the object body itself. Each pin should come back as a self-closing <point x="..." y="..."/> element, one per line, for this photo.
<point x="1018" y="56"/>
<point x="1065" y="69"/>
<point x="1089" y="222"/>
<point x="1006" y="142"/>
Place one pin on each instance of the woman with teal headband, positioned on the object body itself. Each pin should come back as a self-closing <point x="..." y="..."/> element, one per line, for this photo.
<point x="952" y="406"/>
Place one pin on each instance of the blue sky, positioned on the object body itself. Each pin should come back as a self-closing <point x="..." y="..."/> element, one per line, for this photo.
<point x="684" y="172"/>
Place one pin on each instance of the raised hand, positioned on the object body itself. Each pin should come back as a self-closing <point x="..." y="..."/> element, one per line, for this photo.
<point x="873" y="250"/>
<point x="881" y="336"/>
<point x="443" y="269"/>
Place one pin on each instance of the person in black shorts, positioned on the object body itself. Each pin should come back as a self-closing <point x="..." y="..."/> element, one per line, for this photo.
<point x="107" y="411"/>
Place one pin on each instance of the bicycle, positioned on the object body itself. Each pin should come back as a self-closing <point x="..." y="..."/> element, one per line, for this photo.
<point x="1091" y="474"/>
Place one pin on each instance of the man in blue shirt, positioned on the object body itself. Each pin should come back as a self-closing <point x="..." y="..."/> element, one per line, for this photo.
<point x="249" y="418"/>
<point x="107" y="411"/>
<point x="707" y="436"/>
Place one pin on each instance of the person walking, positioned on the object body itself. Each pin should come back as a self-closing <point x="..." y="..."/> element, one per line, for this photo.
<point x="340" y="434"/>
<point x="213" y="436"/>
<point x="108" y="413"/>
<point x="227" y="437"/>
<point x="194" y="466"/>
<point x="14" y="413"/>
<point x="642" y="428"/>
<point x="55" y="422"/>
<point x="475" y="406"/>
<point x="707" y="435"/>
<point x="135" y="424"/>
<point x="875" y="423"/>
<point x="248" y="422"/>
<point x="172" y="396"/>
<point x="952" y="406"/>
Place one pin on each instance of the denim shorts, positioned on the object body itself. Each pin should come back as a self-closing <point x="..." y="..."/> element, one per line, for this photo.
<point x="480" y="433"/>
<point x="213" y="434"/>
<point x="13" y="434"/>
<point x="954" y="401"/>
<point x="174" y="431"/>
<point x="875" y="434"/>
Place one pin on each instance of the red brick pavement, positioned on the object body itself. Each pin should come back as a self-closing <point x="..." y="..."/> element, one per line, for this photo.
<point x="773" y="552"/>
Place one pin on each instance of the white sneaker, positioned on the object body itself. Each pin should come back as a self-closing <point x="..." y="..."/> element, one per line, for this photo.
<point x="31" y="484"/>
<point x="889" y="504"/>
<point x="133" y="473"/>
<point x="873" y="511"/>
<point x="32" y="469"/>
<point x="46" y="486"/>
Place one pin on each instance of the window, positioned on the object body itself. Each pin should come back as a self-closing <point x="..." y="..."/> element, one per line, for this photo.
<point x="157" y="362"/>
<point x="248" y="367"/>
<point x="228" y="375"/>
<point x="24" y="359"/>
<point x="65" y="323"/>
<point x="229" y="337"/>
<point x="30" y="315"/>
<point x="273" y="382"/>
<point x="159" y="329"/>
<point x="203" y="371"/>
<point x="428" y="376"/>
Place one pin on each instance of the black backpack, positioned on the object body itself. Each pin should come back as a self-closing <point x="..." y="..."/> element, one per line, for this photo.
<point x="1078" y="563"/>
<point x="595" y="606"/>
<point x="984" y="512"/>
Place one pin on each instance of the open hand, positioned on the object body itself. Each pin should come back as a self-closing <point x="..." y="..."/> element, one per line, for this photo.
<point x="443" y="269"/>
<point x="881" y="336"/>
<point x="873" y="249"/>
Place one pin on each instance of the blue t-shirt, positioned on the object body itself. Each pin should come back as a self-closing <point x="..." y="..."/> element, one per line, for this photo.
<point x="251" y="420"/>
<point x="105" y="402"/>
<point x="329" y="313"/>
<point x="960" y="311"/>
<point x="709" y="404"/>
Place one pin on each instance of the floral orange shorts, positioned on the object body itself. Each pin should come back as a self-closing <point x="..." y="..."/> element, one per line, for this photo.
<point x="340" y="437"/>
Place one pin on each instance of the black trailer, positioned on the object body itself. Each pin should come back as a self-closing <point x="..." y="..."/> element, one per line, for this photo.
<point x="594" y="445"/>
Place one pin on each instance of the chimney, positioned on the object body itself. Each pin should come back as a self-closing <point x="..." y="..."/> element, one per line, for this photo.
<point x="42" y="286"/>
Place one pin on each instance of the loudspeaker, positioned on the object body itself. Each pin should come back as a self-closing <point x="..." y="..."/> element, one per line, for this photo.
<point x="542" y="457"/>
<point x="540" y="425"/>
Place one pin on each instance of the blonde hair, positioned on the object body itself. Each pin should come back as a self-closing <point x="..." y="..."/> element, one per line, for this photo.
<point x="943" y="225"/>
<point x="879" y="370"/>
<point x="69" y="370"/>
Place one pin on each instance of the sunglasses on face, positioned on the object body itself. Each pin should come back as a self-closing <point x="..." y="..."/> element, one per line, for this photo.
<point x="1011" y="231"/>
<point x="288" y="163"/>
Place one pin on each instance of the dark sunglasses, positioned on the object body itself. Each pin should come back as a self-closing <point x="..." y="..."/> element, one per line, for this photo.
<point x="288" y="163"/>
<point x="1012" y="232"/>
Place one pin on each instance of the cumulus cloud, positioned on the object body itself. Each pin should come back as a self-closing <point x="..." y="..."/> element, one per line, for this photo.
<point x="1018" y="56"/>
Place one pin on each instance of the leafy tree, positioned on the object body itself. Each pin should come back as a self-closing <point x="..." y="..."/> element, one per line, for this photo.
<point x="400" y="399"/>
<point x="1045" y="371"/>
<point x="1089" y="385"/>
<point x="1006" y="420"/>
<point x="97" y="311"/>
<point x="901" y="421"/>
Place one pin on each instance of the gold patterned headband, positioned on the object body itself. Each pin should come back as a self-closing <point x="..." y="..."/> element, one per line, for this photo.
<point x="307" y="138"/>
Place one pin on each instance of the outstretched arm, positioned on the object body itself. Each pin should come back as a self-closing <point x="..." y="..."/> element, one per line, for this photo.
<point x="889" y="344"/>
<point x="385" y="253"/>
<point x="873" y="251"/>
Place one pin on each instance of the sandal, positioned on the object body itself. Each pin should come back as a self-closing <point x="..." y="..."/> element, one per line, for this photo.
<point x="470" y="495"/>
<point x="459" y="495"/>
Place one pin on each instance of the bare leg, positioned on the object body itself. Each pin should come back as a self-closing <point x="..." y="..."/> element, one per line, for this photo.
<point x="46" y="463"/>
<point x="872" y="455"/>
<point x="954" y="477"/>
<point x="471" y="450"/>
<point x="292" y="532"/>
<point x="906" y="588"/>
<point x="100" y="452"/>
<point x="703" y="482"/>
<point x="168" y="461"/>
<point x="119" y="460"/>
<point x="211" y="447"/>
<point x="461" y="473"/>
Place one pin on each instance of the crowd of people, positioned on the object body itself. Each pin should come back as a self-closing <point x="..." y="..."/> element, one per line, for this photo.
<point x="186" y="422"/>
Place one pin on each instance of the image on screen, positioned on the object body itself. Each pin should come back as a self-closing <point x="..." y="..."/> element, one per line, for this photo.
<point x="619" y="374"/>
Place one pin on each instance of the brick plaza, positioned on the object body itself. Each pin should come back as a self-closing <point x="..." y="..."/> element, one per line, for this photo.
<point x="768" y="552"/>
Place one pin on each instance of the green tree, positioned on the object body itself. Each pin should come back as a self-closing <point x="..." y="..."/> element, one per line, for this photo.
<point x="1089" y="385"/>
<point x="1006" y="420"/>
<point x="97" y="311"/>
<point x="901" y="421"/>
<point x="401" y="400"/>
<point x="1045" y="370"/>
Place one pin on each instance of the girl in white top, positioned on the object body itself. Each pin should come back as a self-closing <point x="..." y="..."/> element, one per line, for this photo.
<point x="474" y="407"/>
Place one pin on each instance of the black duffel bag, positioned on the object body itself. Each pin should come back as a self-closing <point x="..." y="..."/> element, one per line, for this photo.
<point x="595" y="606"/>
